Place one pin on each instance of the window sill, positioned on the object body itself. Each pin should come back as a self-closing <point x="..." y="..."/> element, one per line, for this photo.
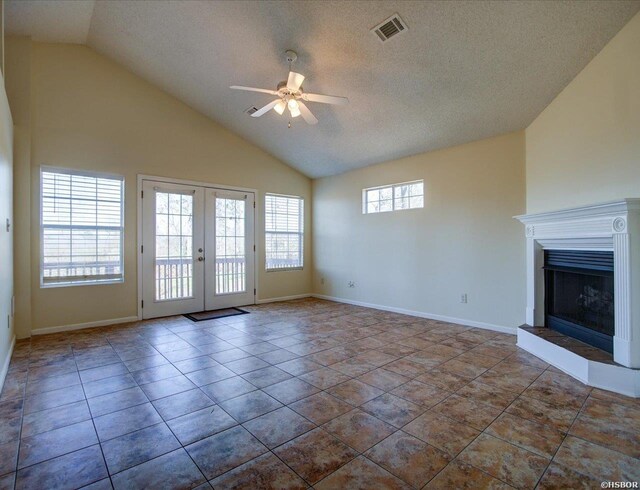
<point x="285" y="269"/>
<point x="80" y="283"/>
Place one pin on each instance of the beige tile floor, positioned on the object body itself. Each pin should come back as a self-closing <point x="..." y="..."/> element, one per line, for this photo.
<point x="304" y="393"/>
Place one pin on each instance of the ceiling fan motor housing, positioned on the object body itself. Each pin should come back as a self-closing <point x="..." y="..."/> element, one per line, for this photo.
<point x="284" y="91"/>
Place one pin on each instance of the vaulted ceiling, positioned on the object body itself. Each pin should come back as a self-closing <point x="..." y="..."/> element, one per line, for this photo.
<point x="464" y="70"/>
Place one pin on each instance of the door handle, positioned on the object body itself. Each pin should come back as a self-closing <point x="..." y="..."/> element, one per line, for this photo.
<point x="200" y="259"/>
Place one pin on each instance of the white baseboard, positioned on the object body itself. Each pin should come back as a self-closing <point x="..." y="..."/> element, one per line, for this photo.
<point x="283" y="298"/>
<point x="79" y="326"/>
<point x="421" y="314"/>
<point x="7" y="361"/>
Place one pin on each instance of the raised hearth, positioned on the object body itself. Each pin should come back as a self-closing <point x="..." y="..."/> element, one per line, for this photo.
<point x="587" y="364"/>
<point x="571" y="344"/>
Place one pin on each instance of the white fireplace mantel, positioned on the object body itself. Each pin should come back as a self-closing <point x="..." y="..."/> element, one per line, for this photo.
<point x="612" y="226"/>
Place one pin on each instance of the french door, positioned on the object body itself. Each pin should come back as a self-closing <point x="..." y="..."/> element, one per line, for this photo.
<point x="197" y="248"/>
<point x="229" y="277"/>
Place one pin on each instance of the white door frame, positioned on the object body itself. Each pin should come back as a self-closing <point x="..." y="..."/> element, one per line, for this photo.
<point x="170" y="180"/>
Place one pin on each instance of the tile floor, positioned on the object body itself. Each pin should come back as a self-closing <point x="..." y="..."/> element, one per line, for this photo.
<point x="304" y="393"/>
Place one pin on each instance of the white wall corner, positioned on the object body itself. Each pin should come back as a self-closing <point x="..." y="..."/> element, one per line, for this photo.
<point x="7" y="362"/>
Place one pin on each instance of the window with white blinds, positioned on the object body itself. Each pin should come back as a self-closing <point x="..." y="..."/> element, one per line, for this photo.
<point x="82" y="227"/>
<point x="284" y="232"/>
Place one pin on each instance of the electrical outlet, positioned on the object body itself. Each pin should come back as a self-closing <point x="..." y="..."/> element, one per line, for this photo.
<point x="352" y="284"/>
<point x="322" y="281"/>
<point x="463" y="298"/>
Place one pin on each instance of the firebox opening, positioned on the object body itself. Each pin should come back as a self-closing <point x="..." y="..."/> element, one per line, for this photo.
<point x="579" y="295"/>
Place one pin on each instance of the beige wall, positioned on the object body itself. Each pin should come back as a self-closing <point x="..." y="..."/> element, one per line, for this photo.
<point x="18" y="83"/>
<point x="74" y="108"/>
<point x="463" y="241"/>
<point x="584" y="148"/>
<point x="6" y="236"/>
<point x="87" y="112"/>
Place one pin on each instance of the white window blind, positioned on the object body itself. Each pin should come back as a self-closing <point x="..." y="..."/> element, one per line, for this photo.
<point x="395" y="197"/>
<point x="82" y="227"/>
<point x="284" y="232"/>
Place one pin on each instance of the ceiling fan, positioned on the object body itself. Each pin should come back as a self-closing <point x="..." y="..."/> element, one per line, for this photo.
<point x="291" y="95"/>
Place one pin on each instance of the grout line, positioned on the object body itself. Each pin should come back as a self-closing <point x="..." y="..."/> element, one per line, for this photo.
<point x="15" y="479"/>
<point x="482" y="431"/>
<point x="161" y="418"/>
<point x="567" y="434"/>
<point x="106" y="466"/>
<point x="411" y="377"/>
<point x="511" y="443"/>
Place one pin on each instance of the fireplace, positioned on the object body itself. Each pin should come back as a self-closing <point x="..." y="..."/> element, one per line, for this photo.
<point x="579" y="295"/>
<point x="583" y="276"/>
<point x="608" y="233"/>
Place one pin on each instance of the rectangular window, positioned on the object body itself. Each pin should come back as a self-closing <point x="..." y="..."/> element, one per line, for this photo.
<point x="408" y="195"/>
<point x="82" y="227"/>
<point x="284" y="232"/>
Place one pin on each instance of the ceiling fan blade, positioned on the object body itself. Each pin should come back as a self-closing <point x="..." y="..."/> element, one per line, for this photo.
<point x="326" y="99"/>
<point x="295" y="81"/>
<point x="265" y="109"/>
<point x="252" y="89"/>
<point x="306" y="114"/>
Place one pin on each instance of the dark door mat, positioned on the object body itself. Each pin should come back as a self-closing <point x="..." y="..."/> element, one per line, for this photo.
<point x="214" y="314"/>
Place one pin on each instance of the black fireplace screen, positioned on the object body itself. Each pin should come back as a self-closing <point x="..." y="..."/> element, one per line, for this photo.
<point x="579" y="295"/>
<point x="583" y="299"/>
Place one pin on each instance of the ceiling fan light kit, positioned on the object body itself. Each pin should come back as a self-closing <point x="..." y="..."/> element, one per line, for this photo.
<point x="291" y="96"/>
<point x="280" y="107"/>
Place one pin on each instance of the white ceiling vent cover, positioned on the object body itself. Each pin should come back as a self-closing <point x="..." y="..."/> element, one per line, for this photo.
<point x="389" y="28"/>
<point x="251" y="110"/>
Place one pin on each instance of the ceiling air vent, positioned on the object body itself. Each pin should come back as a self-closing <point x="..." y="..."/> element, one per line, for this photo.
<point x="390" y="27"/>
<point x="251" y="110"/>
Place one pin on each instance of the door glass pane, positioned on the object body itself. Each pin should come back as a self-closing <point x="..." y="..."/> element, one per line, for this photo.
<point x="230" y="246"/>
<point x="174" y="246"/>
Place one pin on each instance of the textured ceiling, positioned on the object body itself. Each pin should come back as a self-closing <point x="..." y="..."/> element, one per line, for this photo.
<point x="61" y="21"/>
<point x="464" y="70"/>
